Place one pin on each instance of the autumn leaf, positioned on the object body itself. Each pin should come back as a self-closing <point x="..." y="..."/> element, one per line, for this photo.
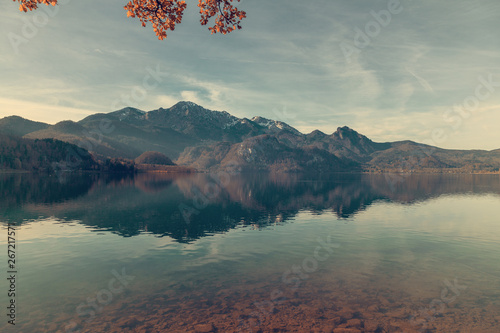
<point x="164" y="15"/>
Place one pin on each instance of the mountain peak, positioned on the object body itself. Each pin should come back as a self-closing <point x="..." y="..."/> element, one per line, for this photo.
<point x="187" y="104"/>
<point x="345" y="130"/>
<point x="12" y="118"/>
<point x="18" y="119"/>
<point x="19" y="126"/>
<point x="347" y="133"/>
<point x="187" y="108"/>
<point x="127" y="114"/>
<point x="130" y="109"/>
<point x="353" y="140"/>
<point x="317" y="133"/>
<point x="274" y="125"/>
<point x="68" y="126"/>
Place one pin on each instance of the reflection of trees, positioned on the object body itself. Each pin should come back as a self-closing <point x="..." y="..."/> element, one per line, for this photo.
<point x="154" y="182"/>
<point x="46" y="191"/>
<point x="150" y="202"/>
<point x="19" y="189"/>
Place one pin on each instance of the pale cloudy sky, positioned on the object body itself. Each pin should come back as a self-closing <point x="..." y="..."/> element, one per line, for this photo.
<point x="429" y="71"/>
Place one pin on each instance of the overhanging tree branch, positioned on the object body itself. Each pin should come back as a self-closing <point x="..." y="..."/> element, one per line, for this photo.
<point x="165" y="14"/>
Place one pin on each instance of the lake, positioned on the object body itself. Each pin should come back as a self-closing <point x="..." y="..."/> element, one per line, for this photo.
<point x="251" y="253"/>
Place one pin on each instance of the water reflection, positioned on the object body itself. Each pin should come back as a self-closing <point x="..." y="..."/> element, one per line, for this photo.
<point x="187" y="207"/>
<point x="388" y="269"/>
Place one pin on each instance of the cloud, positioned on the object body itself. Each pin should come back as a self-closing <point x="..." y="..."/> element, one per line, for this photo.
<point x="164" y="101"/>
<point x="424" y="83"/>
<point x="44" y="112"/>
<point x="287" y="55"/>
<point x="189" y="95"/>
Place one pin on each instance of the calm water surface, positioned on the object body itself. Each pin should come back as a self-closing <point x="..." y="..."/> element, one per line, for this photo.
<point x="253" y="253"/>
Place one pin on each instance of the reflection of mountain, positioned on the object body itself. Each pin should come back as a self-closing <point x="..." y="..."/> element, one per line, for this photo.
<point x="154" y="182"/>
<point x="192" y="206"/>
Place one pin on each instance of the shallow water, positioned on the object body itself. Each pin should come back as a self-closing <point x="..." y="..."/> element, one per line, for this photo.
<point x="250" y="253"/>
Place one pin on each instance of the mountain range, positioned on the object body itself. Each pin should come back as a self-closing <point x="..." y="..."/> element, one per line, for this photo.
<point x="212" y="140"/>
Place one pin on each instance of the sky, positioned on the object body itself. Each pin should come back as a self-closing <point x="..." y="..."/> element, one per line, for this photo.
<point x="427" y="71"/>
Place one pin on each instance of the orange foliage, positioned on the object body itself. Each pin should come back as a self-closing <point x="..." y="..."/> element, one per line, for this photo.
<point x="165" y="14"/>
<point x="228" y="17"/>
<point x="162" y="14"/>
<point x="33" y="4"/>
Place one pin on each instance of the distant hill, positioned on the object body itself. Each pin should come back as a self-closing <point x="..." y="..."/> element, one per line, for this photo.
<point x="154" y="157"/>
<point x="53" y="156"/>
<point x="18" y="126"/>
<point x="210" y="140"/>
<point x="43" y="155"/>
<point x="88" y="137"/>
